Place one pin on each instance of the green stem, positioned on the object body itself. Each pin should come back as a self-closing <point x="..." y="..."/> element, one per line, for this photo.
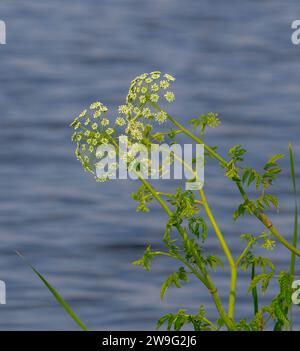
<point x="295" y="231"/>
<point x="158" y="198"/>
<point x="254" y="291"/>
<point x="267" y="223"/>
<point x="242" y="255"/>
<point x="227" y="253"/>
<point x="192" y="136"/>
<point x="207" y="281"/>
<point x="295" y="234"/>
<point x="214" y="293"/>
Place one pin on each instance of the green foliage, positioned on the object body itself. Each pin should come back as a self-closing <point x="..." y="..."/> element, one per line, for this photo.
<point x="211" y="120"/>
<point x="178" y="320"/>
<point x="198" y="226"/>
<point x="263" y="263"/>
<point x="174" y="279"/>
<point x="184" y="202"/>
<point x="263" y="202"/>
<point x="280" y="305"/>
<point x="264" y="279"/>
<point x="143" y="197"/>
<point x="236" y="154"/>
<point x="146" y="260"/>
<point x="258" y="323"/>
<point x="264" y="179"/>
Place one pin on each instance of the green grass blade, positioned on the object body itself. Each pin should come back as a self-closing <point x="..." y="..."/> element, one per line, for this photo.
<point x="295" y="231"/>
<point x="254" y="291"/>
<point x="57" y="296"/>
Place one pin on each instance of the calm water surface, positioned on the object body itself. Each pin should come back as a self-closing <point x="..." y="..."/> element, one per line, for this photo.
<point x="231" y="57"/>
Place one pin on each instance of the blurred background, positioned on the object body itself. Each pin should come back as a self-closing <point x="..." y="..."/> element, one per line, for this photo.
<point x="231" y="57"/>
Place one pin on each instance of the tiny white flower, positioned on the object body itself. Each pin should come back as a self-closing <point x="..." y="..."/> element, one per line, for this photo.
<point x="169" y="77"/>
<point x="103" y="109"/>
<point x="95" y="105"/>
<point x="77" y="125"/>
<point x="170" y="97"/>
<point x="164" y="84"/>
<point x="142" y="99"/>
<point x="123" y="109"/>
<point x="161" y="117"/>
<point x="154" y="88"/>
<point x="155" y="75"/>
<point x="120" y="121"/>
<point x="97" y="114"/>
<point x="137" y="134"/>
<point x="154" y="97"/>
<point x="146" y="112"/>
<point x="83" y="113"/>
<point x="143" y="76"/>
<point x="105" y="122"/>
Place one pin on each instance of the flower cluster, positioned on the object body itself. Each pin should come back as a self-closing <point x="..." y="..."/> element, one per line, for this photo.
<point x="144" y="93"/>
<point x="91" y="129"/>
<point x="212" y="120"/>
<point x="268" y="244"/>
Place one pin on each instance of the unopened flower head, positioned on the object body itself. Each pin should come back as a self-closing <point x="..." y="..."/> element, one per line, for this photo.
<point x="268" y="244"/>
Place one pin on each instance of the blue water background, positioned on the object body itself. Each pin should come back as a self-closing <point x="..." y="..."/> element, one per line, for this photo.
<point x="231" y="57"/>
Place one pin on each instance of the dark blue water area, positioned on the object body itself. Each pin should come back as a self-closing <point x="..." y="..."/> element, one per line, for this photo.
<point x="231" y="57"/>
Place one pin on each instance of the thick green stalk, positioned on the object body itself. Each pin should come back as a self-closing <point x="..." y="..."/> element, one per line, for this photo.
<point x="227" y="253"/>
<point x="214" y="293"/>
<point x="267" y="223"/>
